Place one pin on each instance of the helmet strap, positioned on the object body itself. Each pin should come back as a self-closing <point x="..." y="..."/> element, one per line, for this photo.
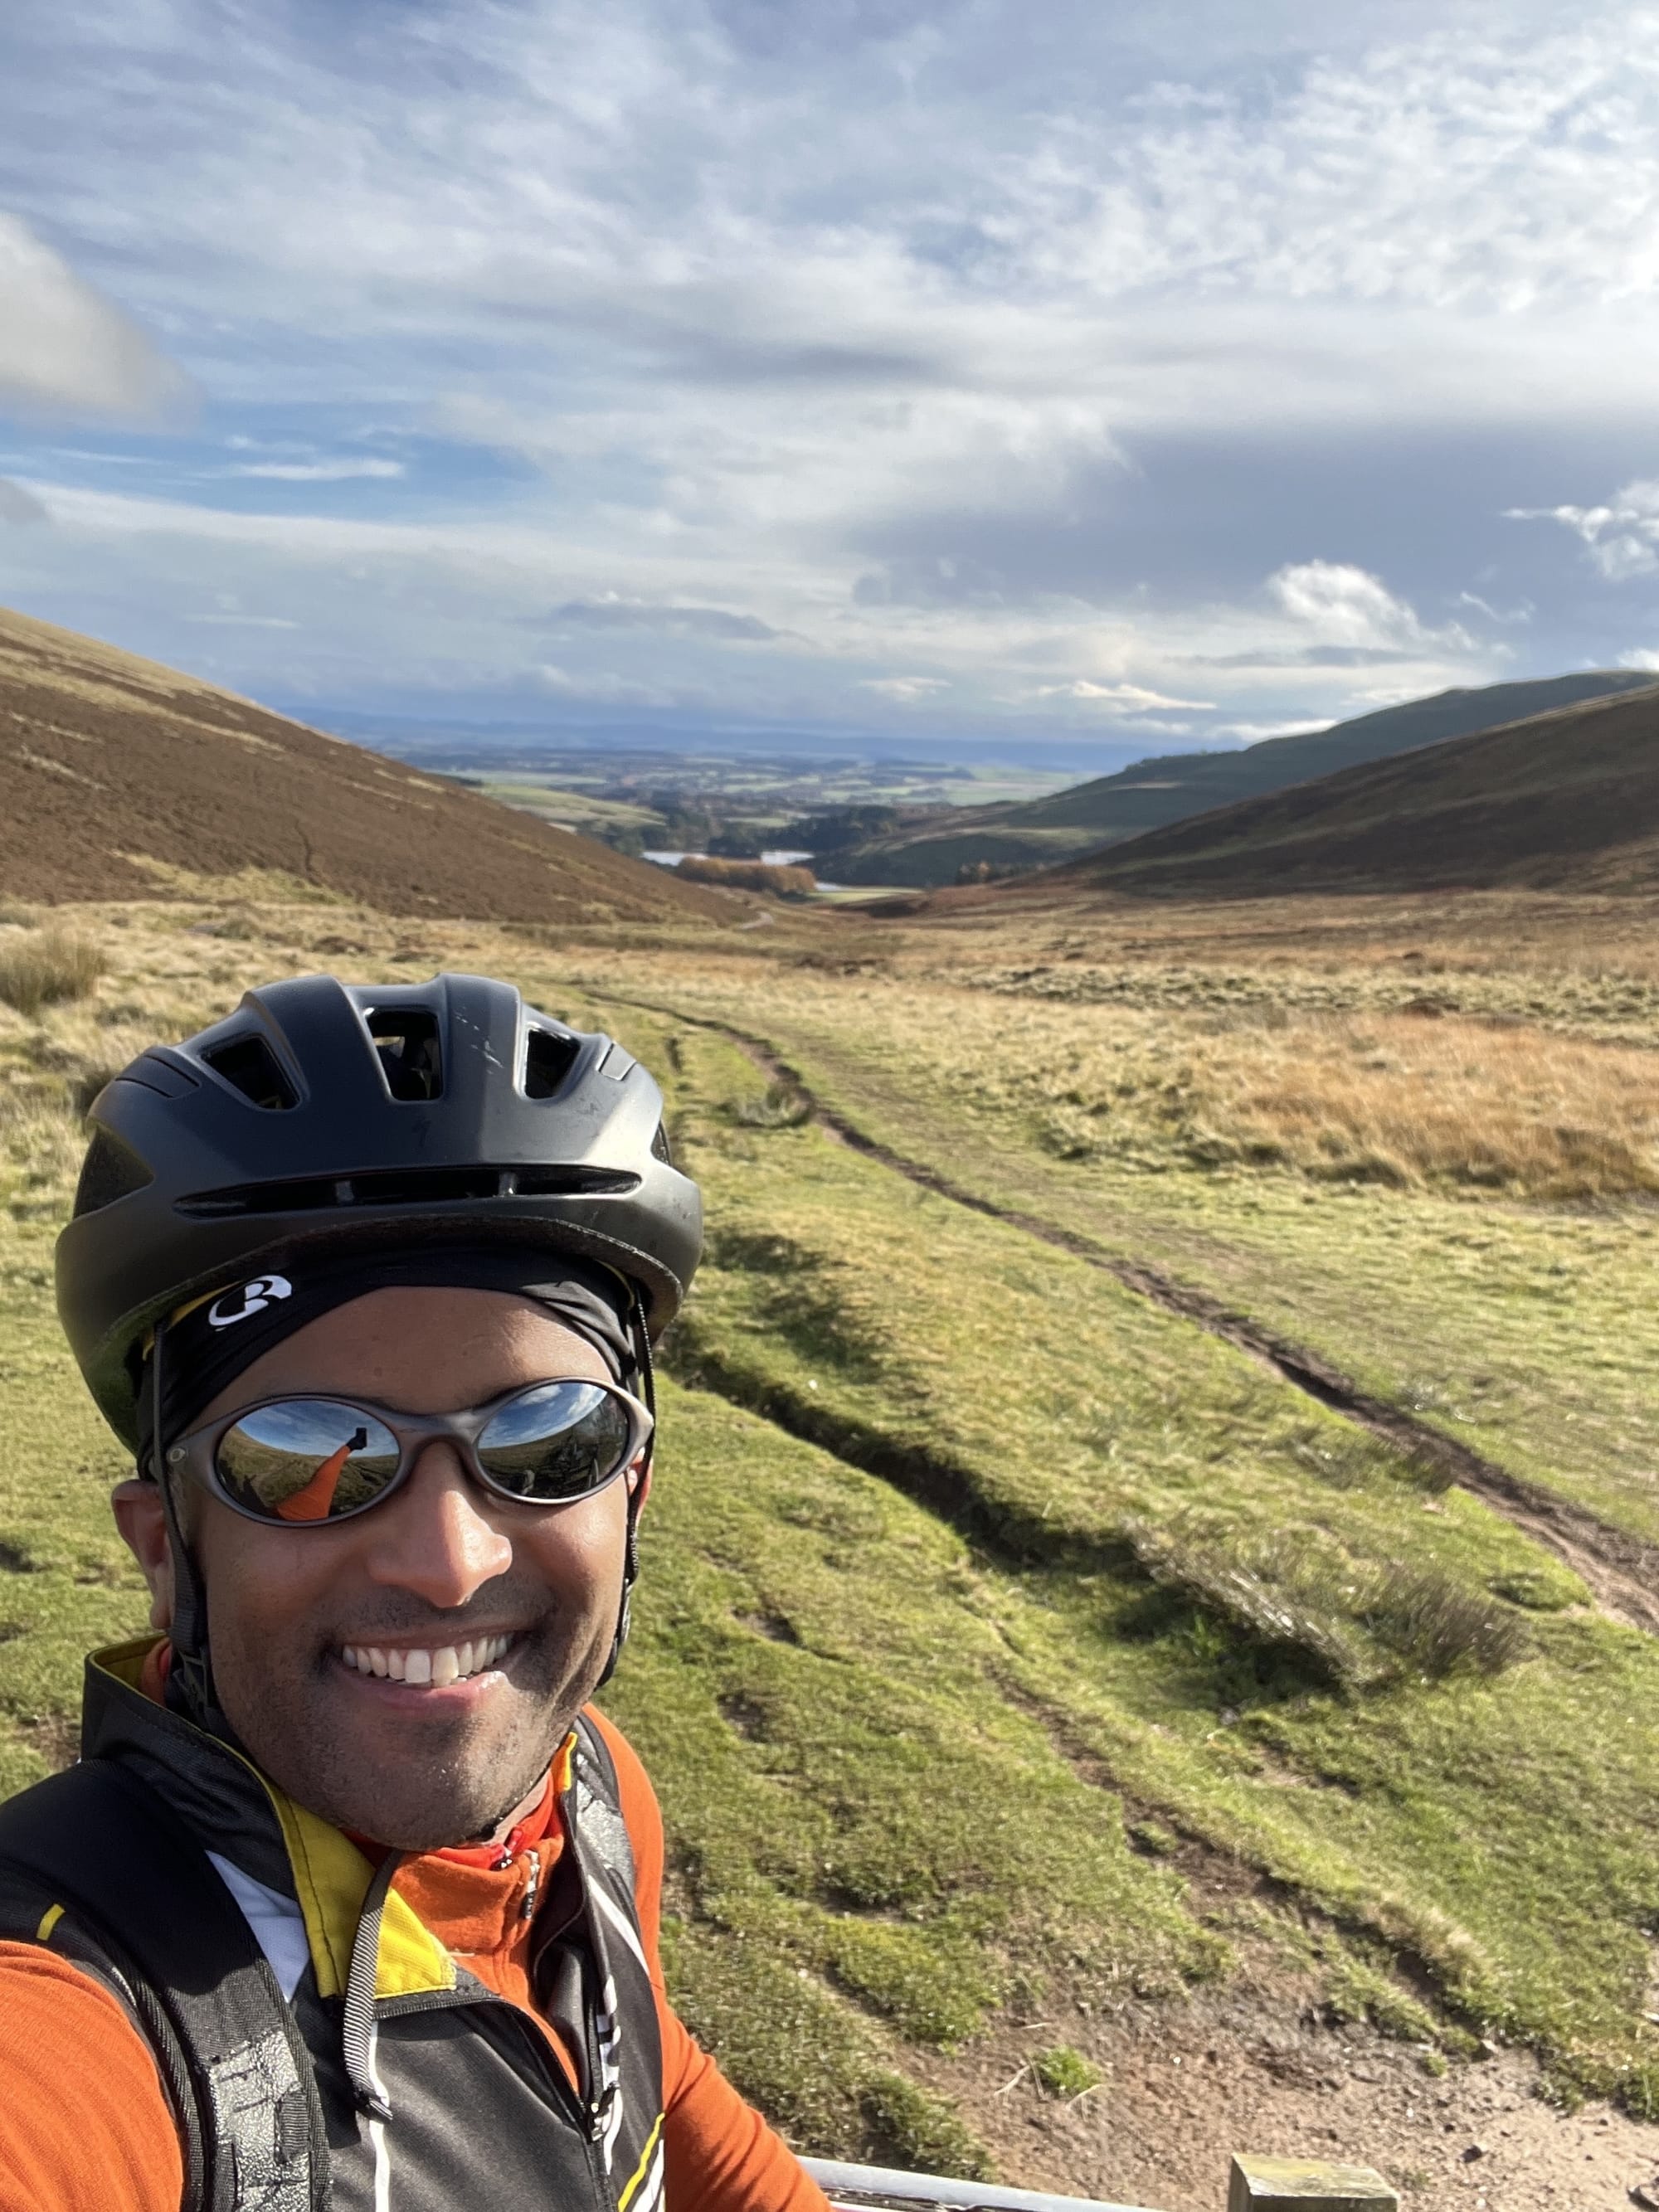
<point x="647" y="1381"/>
<point x="190" y="1679"/>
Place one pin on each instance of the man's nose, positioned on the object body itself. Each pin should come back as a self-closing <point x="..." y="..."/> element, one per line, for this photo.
<point x="432" y="1539"/>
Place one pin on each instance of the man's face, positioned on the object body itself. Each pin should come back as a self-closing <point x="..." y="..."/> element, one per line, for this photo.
<point x="441" y="1564"/>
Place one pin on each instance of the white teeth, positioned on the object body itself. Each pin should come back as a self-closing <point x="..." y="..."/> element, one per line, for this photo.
<point x="452" y="1662"/>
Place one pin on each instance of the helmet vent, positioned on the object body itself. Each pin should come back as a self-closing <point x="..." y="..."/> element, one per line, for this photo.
<point x="411" y="1058"/>
<point x="572" y="1183"/>
<point x="548" y="1059"/>
<point x="385" y="1187"/>
<point x="249" y="1064"/>
<point x="109" y="1171"/>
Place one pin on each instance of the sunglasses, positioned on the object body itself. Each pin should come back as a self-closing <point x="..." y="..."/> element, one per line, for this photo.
<point x="300" y="1461"/>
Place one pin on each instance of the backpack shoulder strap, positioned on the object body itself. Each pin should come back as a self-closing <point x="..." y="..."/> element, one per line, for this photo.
<point x="599" y="1805"/>
<point x="136" y="1888"/>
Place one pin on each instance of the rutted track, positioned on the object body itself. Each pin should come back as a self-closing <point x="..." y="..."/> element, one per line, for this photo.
<point x="1621" y="1570"/>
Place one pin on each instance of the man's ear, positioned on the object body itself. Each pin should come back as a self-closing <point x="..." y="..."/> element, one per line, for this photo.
<point x="639" y="1488"/>
<point x="138" y="1515"/>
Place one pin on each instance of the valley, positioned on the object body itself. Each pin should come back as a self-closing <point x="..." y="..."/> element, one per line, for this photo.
<point x="1148" y="1639"/>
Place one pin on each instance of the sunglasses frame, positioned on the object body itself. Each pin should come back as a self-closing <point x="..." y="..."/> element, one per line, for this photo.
<point x="196" y="1453"/>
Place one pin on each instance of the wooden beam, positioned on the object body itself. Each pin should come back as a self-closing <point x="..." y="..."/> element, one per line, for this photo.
<point x="1307" y="2184"/>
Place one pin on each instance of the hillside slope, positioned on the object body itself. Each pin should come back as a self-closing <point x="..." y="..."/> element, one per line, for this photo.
<point x="1568" y="800"/>
<point x="107" y="761"/>
<point x="1173" y="787"/>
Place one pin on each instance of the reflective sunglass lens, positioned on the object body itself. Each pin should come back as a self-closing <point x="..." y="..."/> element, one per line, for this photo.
<point x="306" y="1459"/>
<point x="560" y="1440"/>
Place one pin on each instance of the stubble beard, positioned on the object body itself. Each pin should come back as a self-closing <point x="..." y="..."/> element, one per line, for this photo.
<point x="412" y="1783"/>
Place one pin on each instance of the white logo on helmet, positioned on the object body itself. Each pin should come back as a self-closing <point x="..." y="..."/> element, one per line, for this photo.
<point x="251" y="1299"/>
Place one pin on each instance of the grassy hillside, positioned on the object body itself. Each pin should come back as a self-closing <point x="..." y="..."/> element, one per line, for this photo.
<point x="1173" y="786"/>
<point x="121" y="778"/>
<point x="1031" y="1667"/>
<point x="1567" y="798"/>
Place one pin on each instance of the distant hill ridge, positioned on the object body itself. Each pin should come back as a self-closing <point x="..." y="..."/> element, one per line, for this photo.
<point x="107" y="761"/>
<point x="1567" y="800"/>
<point x="1171" y="787"/>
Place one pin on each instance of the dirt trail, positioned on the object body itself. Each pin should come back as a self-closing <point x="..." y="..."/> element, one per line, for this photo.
<point x="1255" y="2066"/>
<point x="1258" y="2063"/>
<point x="1621" y="1570"/>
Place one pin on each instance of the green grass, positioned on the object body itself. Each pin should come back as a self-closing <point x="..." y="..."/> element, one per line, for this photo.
<point x="1063" y="2072"/>
<point x="1528" y="1332"/>
<point x="857" y="1816"/>
<point x="66" y="1582"/>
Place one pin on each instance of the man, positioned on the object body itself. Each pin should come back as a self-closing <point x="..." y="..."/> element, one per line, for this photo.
<point x="353" y="1898"/>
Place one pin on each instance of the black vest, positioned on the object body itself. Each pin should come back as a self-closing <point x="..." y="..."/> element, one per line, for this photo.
<point x="389" y="2074"/>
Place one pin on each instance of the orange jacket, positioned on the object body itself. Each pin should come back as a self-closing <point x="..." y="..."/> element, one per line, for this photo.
<point x="85" y="2126"/>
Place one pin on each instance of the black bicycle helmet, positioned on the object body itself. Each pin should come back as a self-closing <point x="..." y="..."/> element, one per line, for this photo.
<point x="327" y="1114"/>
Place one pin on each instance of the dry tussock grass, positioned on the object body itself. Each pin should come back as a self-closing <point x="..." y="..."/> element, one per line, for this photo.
<point x="1408" y="1100"/>
<point x="1393" y="1099"/>
<point x="1541" y="936"/>
<point x="77" y="1002"/>
<point x="1297" y="1593"/>
<point x="44" y="967"/>
<point x="1411" y="1100"/>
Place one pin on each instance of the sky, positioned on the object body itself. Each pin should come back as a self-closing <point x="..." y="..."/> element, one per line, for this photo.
<point x="938" y="374"/>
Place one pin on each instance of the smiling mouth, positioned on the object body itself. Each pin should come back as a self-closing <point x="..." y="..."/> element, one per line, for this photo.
<point x="423" y="1665"/>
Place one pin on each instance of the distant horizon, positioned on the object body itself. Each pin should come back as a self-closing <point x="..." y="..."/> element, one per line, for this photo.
<point x="429" y="735"/>
<point x="415" y="735"/>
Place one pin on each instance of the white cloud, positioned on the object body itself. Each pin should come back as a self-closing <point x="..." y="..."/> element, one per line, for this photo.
<point x="340" y="471"/>
<point x="1455" y="170"/>
<point x="1640" y="656"/>
<point x="1252" y="733"/>
<point x="1620" y="537"/>
<point x="907" y="690"/>
<point x="605" y="688"/>
<point x="1505" y="618"/>
<point x="1345" y="607"/>
<point x="1381" y="694"/>
<point x="64" y="348"/>
<point x="1134" y="696"/>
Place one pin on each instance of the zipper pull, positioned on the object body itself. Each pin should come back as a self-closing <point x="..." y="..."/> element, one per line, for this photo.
<point x="529" y="1905"/>
<point x="599" y="2113"/>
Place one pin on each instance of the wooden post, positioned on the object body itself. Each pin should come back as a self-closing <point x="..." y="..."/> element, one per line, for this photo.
<point x="1307" y="2184"/>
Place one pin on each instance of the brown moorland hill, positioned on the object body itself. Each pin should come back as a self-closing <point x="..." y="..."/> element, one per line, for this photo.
<point x="1109" y="809"/>
<point x="1567" y="800"/>
<point x="107" y="762"/>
